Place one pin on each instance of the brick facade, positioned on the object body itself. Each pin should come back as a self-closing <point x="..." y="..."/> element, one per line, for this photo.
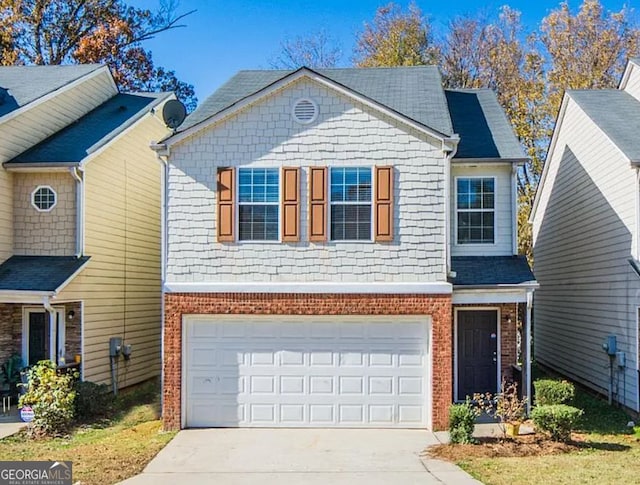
<point x="437" y="306"/>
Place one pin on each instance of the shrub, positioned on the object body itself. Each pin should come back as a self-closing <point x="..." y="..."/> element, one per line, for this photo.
<point x="557" y="419"/>
<point x="551" y="391"/>
<point x="506" y="405"/>
<point x="462" y="420"/>
<point x="51" y="396"/>
<point x="92" y="400"/>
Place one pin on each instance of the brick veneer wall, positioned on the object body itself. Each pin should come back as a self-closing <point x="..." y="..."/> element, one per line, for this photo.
<point x="508" y="335"/>
<point x="10" y="330"/>
<point x="438" y="306"/>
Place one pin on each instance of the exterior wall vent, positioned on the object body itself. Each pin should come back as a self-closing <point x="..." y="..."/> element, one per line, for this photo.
<point x="305" y="111"/>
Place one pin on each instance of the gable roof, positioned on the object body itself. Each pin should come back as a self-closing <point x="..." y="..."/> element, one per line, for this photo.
<point x="414" y="92"/>
<point x="485" y="131"/>
<point x="475" y="271"/>
<point x="616" y="113"/>
<point x="73" y="143"/>
<point x="21" y="85"/>
<point x="39" y="273"/>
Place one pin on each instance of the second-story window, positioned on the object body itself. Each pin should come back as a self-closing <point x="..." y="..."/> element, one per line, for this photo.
<point x="258" y="204"/>
<point x="350" y="204"/>
<point x="475" y="207"/>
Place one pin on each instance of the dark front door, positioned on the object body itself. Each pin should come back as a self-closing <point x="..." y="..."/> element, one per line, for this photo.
<point x="477" y="352"/>
<point x="38" y="337"/>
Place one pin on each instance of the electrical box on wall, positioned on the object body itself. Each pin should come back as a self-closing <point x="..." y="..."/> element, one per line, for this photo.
<point x="610" y="346"/>
<point x="622" y="359"/>
<point x="115" y="346"/>
<point x="126" y="351"/>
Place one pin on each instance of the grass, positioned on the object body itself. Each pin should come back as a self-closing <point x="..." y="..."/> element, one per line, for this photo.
<point x="107" y="452"/>
<point x="610" y="454"/>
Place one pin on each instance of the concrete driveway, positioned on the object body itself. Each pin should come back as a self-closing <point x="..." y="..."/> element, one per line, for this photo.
<point x="299" y="456"/>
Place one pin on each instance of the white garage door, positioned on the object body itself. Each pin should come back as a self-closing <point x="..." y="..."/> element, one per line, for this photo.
<point x="252" y="371"/>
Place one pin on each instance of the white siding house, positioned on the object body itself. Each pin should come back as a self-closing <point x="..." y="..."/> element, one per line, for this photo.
<point x="319" y="227"/>
<point x="585" y="234"/>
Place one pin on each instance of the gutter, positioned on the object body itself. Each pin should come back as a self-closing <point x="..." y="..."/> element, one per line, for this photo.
<point x="75" y="173"/>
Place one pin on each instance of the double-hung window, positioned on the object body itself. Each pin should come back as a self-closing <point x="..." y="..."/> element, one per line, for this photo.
<point x="475" y="207"/>
<point x="350" y="197"/>
<point x="258" y="204"/>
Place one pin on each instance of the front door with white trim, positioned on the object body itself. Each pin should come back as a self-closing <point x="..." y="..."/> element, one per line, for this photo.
<point x="43" y="338"/>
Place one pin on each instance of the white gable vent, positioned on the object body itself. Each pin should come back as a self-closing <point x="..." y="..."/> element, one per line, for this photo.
<point x="305" y="111"/>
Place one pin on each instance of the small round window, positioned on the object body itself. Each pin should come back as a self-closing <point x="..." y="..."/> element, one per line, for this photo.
<point x="305" y="111"/>
<point x="43" y="198"/>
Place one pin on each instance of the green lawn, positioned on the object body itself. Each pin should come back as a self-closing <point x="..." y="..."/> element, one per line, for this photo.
<point x="611" y="454"/>
<point x="107" y="452"/>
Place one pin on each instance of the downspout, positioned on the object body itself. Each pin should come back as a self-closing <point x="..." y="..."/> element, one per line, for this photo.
<point x="75" y="173"/>
<point x="449" y="152"/>
<point x="527" y="333"/>
<point x="163" y="261"/>
<point x="514" y="208"/>
<point x="52" y="325"/>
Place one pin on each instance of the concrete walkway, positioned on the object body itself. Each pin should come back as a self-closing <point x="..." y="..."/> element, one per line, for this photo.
<point x="300" y="456"/>
<point x="10" y="423"/>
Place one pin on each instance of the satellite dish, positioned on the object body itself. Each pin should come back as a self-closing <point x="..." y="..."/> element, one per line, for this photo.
<point x="173" y="113"/>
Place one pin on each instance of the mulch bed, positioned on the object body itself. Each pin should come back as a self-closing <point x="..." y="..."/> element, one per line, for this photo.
<point x="528" y="445"/>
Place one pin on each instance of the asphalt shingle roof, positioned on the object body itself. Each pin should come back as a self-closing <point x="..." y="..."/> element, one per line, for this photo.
<point x="73" y="143"/>
<point x="485" y="131"/>
<point x="617" y="113"/>
<point x="20" y="85"/>
<point x="490" y="270"/>
<point x="414" y="92"/>
<point x="38" y="273"/>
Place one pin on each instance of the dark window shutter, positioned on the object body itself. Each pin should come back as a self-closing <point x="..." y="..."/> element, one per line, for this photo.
<point x="318" y="203"/>
<point x="290" y="204"/>
<point x="226" y="204"/>
<point x="383" y="204"/>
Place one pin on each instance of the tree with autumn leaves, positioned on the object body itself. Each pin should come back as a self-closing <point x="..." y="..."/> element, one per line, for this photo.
<point x="528" y="70"/>
<point x="46" y="32"/>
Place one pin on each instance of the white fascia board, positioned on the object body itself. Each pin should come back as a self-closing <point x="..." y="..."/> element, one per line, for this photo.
<point x="70" y="278"/>
<point x="460" y="162"/>
<point x="101" y="145"/>
<point x="436" y="288"/>
<point x="627" y="74"/>
<point x="30" y="297"/>
<point x="489" y="296"/>
<point x="36" y="102"/>
<point x="40" y="167"/>
<point x="550" y="151"/>
<point x="450" y="142"/>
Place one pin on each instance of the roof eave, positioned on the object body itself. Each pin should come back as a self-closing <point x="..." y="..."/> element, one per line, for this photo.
<point x="526" y="285"/>
<point x="39" y="166"/>
<point x="450" y="140"/>
<point x="24" y="296"/>
<point x="516" y="160"/>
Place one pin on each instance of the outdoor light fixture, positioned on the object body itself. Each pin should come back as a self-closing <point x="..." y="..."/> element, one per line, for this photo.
<point x="70" y="315"/>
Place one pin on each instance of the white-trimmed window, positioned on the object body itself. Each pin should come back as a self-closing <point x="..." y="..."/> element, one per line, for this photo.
<point x="44" y="198"/>
<point x="258" y="204"/>
<point x="475" y="208"/>
<point x="351" y="201"/>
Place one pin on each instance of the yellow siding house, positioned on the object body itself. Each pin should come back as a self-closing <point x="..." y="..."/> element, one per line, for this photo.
<point x="80" y="239"/>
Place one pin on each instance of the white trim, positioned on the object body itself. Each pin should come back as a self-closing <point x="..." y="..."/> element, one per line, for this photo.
<point x="278" y="204"/>
<point x="70" y="278"/>
<point x="24" y="297"/>
<point x="344" y="203"/>
<point x="514" y="210"/>
<point x="82" y="337"/>
<point x="122" y="130"/>
<point x="477" y="246"/>
<point x="496" y="295"/>
<point x="473" y="162"/>
<point x="42" y="99"/>
<point x="53" y="353"/>
<point x="391" y="288"/>
<point x="33" y="198"/>
<point x="287" y="80"/>
<point x="39" y="168"/>
<point x="527" y="339"/>
<point x="631" y="64"/>
<point x="455" y="346"/>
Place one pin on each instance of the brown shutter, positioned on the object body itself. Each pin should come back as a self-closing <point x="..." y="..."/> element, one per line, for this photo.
<point x="318" y="204"/>
<point x="383" y="204"/>
<point x="290" y="204"/>
<point x="226" y="204"/>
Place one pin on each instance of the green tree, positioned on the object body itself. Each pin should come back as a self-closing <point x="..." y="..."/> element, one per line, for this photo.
<point x="104" y="31"/>
<point x="396" y="38"/>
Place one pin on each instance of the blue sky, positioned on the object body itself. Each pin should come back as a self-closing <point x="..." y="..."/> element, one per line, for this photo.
<point x="223" y="37"/>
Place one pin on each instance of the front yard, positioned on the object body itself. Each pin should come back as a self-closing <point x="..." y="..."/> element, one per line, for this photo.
<point x="603" y="451"/>
<point x="107" y="452"/>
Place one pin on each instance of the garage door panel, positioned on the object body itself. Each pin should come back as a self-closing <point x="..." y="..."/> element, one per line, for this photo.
<point x="305" y="373"/>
